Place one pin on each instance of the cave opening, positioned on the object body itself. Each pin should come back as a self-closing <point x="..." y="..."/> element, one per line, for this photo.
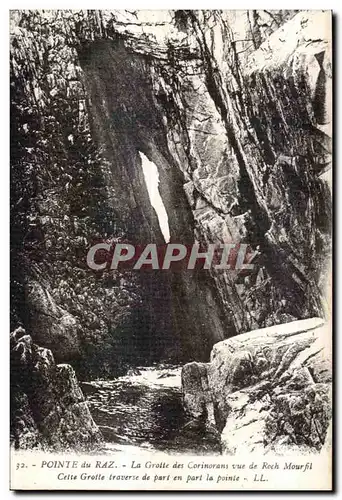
<point x="151" y="177"/>
<point x="180" y="314"/>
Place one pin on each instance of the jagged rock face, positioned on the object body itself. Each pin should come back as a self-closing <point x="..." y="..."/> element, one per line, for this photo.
<point x="239" y="133"/>
<point x="259" y="179"/>
<point x="48" y="409"/>
<point x="268" y="390"/>
<point x="122" y="102"/>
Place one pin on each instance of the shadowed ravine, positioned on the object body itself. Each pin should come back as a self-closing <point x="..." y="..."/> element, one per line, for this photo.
<point x="145" y="409"/>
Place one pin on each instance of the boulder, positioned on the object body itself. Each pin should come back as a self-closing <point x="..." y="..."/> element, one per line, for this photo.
<point x="269" y="389"/>
<point x="48" y="409"/>
<point x="52" y="326"/>
<point x="197" y="399"/>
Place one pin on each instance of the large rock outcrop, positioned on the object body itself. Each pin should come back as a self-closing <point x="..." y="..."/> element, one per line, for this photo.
<point x="233" y="109"/>
<point x="48" y="409"/>
<point x="267" y="390"/>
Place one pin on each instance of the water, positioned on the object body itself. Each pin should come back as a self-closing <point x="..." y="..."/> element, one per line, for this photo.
<point x="144" y="409"/>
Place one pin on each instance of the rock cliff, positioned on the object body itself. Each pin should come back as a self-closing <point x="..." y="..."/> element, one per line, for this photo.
<point x="265" y="391"/>
<point x="233" y="109"/>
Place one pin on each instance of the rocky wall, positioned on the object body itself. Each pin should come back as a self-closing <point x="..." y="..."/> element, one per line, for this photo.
<point x="240" y="134"/>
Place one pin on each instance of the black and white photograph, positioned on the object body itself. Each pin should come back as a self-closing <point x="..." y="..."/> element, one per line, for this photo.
<point x="171" y="250"/>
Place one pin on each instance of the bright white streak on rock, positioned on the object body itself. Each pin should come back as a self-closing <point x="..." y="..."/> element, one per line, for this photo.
<point x="152" y="182"/>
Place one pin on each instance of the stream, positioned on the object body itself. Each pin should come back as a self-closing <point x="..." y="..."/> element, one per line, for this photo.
<point x="144" y="409"/>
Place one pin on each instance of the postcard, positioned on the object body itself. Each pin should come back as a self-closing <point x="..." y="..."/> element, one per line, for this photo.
<point x="171" y="250"/>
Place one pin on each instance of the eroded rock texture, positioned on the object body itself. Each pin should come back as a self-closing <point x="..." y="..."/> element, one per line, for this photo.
<point x="233" y="109"/>
<point x="265" y="391"/>
<point x="48" y="409"/>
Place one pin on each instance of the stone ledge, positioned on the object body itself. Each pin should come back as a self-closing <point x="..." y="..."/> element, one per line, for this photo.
<point x="267" y="390"/>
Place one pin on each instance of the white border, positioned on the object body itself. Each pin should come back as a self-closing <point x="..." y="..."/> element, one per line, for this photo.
<point x="335" y="5"/>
